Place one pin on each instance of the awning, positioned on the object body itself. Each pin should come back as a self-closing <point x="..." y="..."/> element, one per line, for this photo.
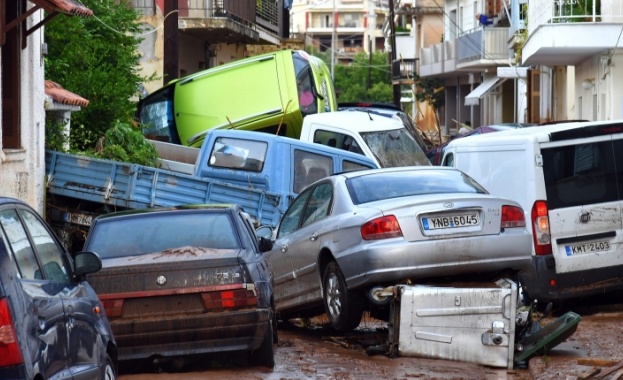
<point x="473" y="98"/>
<point x="53" y="7"/>
<point x="70" y="7"/>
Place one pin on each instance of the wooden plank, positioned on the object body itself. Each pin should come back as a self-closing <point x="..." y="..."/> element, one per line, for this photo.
<point x="610" y="370"/>
<point x="617" y="375"/>
<point x="597" y="362"/>
<point x="589" y="375"/>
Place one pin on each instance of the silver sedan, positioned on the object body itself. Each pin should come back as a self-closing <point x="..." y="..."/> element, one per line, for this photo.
<point x="349" y="235"/>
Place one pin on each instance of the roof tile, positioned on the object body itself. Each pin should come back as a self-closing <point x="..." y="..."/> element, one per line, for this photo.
<point x="62" y="96"/>
<point x="70" y="7"/>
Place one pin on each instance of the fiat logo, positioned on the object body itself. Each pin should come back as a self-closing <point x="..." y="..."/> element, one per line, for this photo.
<point x="448" y="205"/>
<point x="161" y="280"/>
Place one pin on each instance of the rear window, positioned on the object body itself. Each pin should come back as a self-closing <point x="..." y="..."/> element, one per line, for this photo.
<point x="150" y="233"/>
<point x="241" y="154"/>
<point x="582" y="174"/>
<point x="378" y="186"/>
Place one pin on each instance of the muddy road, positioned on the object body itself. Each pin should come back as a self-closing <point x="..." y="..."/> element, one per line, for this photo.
<point x="313" y="351"/>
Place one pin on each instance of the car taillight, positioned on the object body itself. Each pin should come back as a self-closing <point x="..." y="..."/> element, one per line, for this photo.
<point x="10" y="353"/>
<point x="230" y="298"/>
<point x="384" y="227"/>
<point x="512" y="216"/>
<point x="540" y="229"/>
<point x="113" y="307"/>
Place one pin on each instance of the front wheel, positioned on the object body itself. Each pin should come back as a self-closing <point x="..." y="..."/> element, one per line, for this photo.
<point x="343" y="307"/>
<point x="109" y="369"/>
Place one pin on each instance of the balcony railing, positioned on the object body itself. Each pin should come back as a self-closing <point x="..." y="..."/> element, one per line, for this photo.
<point x="404" y="69"/>
<point x="542" y="12"/>
<point x="438" y="59"/>
<point x="249" y="13"/>
<point x="483" y="44"/>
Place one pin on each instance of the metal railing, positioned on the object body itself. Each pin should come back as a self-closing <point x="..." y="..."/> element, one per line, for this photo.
<point x="265" y="13"/>
<point x="542" y="12"/>
<point x="483" y="43"/>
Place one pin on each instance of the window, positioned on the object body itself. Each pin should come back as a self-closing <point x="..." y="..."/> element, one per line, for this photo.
<point x="10" y="73"/>
<point x="27" y="265"/>
<point x="319" y="204"/>
<point x="156" y="115"/>
<point x="582" y="174"/>
<point x="380" y="186"/>
<point x="310" y="167"/>
<point x="50" y="254"/>
<point x="290" y="221"/>
<point x="349" y="166"/>
<point x="238" y="154"/>
<point x="161" y="232"/>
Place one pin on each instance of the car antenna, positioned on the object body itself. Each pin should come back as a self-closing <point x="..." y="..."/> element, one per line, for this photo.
<point x="370" y="116"/>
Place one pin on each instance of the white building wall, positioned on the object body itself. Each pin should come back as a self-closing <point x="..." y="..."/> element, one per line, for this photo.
<point x="598" y="94"/>
<point x="22" y="171"/>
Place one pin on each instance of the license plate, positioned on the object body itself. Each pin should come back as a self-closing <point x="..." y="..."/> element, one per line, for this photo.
<point x="450" y="221"/>
<point x="577" y="249"/>
<point x="81" y="219"/>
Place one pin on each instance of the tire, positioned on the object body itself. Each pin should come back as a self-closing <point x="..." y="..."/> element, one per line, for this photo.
<point x="274" y="323"/>
<point x="110" y="372"/>
<point x="265" y="354"/>
<point x="343" y="307"/>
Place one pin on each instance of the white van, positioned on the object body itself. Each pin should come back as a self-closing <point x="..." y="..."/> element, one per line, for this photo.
<point x="384" y="140"/>
<point x="569" y="180"/>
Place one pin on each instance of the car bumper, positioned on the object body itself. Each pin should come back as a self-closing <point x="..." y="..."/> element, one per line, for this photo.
<point x="190" y="334"/>
<point x="541" y="281"/>
<point x="393" y="260"/>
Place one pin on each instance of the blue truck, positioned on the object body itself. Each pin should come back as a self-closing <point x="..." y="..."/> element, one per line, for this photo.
<point x="259" y="171"/>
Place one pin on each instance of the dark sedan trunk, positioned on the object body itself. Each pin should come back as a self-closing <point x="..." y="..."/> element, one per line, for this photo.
<point x="178" y="302"/>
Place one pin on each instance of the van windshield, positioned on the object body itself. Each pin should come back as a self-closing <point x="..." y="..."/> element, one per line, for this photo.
<point x="155" y="113"/>
<point x="395" y="148"/>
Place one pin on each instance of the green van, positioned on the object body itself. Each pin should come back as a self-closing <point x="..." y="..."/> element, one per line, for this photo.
<point x="270" y="93"/>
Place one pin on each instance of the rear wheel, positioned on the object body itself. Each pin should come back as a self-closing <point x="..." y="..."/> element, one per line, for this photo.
<point x="265" y="354"/>
<point x="344" y="308"/>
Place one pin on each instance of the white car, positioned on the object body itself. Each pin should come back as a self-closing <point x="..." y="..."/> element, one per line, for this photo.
<point x="349" y="235"/>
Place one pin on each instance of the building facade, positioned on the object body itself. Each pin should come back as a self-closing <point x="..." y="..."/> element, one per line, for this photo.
<point x="477" y="63"/>
<point x="206" y="34"/>
<point x="574" y="49"/>
<point x="22" y="157"/>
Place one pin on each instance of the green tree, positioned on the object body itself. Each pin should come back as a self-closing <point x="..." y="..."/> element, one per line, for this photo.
<point x="98" y="58"/>
<point x="364" y="81"/>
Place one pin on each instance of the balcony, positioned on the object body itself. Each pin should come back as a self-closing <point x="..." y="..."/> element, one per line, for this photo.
<point x="568" y="32"/>
<point x="438" y="59"/>
<point x="403" y="71"/>
<point x="483" y="47"/>
<point x="226" y="21"/>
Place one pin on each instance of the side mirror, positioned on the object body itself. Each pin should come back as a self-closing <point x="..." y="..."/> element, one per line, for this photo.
<point x="265" y="232"/>
<point x="86" y="262"/>
<point x="265" y="244"/>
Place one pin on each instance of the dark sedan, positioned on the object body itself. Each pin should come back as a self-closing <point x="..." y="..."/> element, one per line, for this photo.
<point x="52" y="325"/>
<point x="185" y="280"/>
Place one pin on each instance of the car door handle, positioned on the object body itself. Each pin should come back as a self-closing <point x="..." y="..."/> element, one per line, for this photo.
<point x="71" y="322"/>
<point x="41" y="324"/>
<point x="314" y="236"/>
<point x="284" y="248"/>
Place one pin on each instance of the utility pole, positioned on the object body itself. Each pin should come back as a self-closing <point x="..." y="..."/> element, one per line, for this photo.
<point x="392" y="55"/>
<point x="333" y="42"/>
<point x="171" y="51"/>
